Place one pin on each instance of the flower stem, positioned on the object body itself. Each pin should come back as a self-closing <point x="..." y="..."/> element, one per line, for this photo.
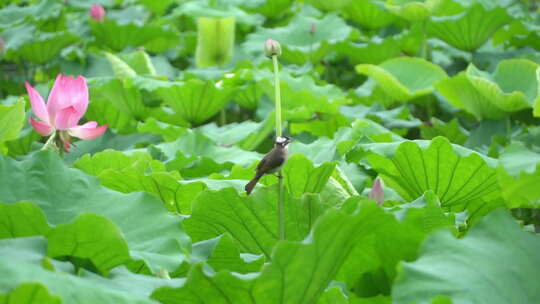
<point x="50" y="143"/>
<point x="281" y="189"/>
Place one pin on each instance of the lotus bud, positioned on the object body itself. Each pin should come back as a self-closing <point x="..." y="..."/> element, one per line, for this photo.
<point x="272" y="47"/>
<point x="313" y="29"/>
<point x="97" y="12"/>
<point x="377" y="193"/>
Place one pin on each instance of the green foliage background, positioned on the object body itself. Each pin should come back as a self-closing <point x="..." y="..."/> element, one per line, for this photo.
<point x="439" y="98"/>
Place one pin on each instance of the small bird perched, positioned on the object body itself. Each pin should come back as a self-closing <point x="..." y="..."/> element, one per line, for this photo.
<point x="271" y="162"/>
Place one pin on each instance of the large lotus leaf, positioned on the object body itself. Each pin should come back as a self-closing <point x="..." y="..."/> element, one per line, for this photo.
<point x="394" y="77"/>
<point x="29" y="293"/>
<point x="300" y="176"/>
<point x="298" y="44"/>
<point x="413" y="10"/>
<point x="11" y="122"/>
<point x="101" y="111"/>
<point x="451" y="130"/>
<point x="221" y="253"/>
<point x="519" y="176"/>
<point x="252" y="221"/>
<point x="496" y="262"/>
<point x="195" y="100"/>
<point x="167" y="131"/>
<point x="122" y="94"/>
<point x="12" y="15"/>
<point x="63" y="193"/>
<point x="374" y="51"/>
<point x="195" y="155"/>
<point x="515" y="85"/>
<point x="136" y="172"/>
<point x="455" y="174"/>
<point x="231" y="133"/>
<point x="369" y="13"/>
<point x="90" y="237"/>
<point x="220" y="9"/>
<point x="329" y="5"/>
<point x="271" y="9"/>
<point x="314" y="263"/>
<point x="22" y="262"/>
<point x="21" y="220"/>
<point x="87" y="237"/>
<point x="470" y="29"/>
<point x="303" y="92"/>
<point x="371" y="267"/>
<point x="119" y="36"/>
<point x="26" y="43"/>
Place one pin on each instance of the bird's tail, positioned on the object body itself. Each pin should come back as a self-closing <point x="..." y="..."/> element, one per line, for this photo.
<point x="249" y="186"/>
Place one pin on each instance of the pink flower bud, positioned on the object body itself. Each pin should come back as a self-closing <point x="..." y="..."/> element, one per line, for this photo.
<point x="377" y="193"/>
<point x="313" y="29"/>
<point x="272" y="47"/>
<point x="97" y="12"/>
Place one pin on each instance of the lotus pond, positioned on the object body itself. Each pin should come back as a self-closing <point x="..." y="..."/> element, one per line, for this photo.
<point x="130" y="128"/>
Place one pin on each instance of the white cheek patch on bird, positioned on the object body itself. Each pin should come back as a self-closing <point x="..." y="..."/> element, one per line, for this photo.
<point x="281" y="139"/>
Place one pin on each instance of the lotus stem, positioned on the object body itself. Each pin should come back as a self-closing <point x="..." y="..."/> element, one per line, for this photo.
<point x="281" y="190"/>
<point x="50" y="143"/>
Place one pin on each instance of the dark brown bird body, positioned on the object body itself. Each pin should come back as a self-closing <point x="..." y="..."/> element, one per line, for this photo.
<point x="271" y="162"/>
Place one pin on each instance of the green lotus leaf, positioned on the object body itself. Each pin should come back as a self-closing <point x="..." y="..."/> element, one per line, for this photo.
<point x="515" y="85"/>
<point x="63" y="193"/>
<point x="119" y="36"/>
<point x="222" y="253"/>
<point x="21" y="220"/>
<point x="157" y="7"/>
<point x="122" y="94"/>
<point x="215" y="41"/>
<point x="413" y="10"/>
<point x="477" y="260"/>
<point x="195" y="100"/>
<point x="471" y="28"/>
<point x="301" y="177"/>
<point x="455" y="174"/>
<point x="518" y="176"/>
<point x="394" y="77"/>
<point x="297" y="43"/>
<point x="26" y="43"/>
<point x="251" y="221"/>
<point x="30" y="293"/>
<point x="137" y="172"/>
<point x="101" y="111"/>
<point x="220" y="9"/>
<point x="22" y="265"/>
<point x="194" y="145"/>
<point x="329" y="5"/>
<point x="303" y="93"/>
<point x="12" y="15"/>
<point x="11" y="122"/>
<point x="167" y="131"/>
<point x="371" y="266"/>
<point x="314" y="261"/>
<point x="451" y="130"/>
<point x="374" y="51"/>
<point x="271" y="9"/>
<point x="91" y="237"/>
<point x="370" y="14"/>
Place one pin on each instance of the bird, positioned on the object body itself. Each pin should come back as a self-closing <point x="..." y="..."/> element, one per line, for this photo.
<point x="271" y="162"/>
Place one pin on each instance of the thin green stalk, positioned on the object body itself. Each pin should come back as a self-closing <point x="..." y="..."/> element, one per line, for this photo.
<point x="49" y="142"/>
<point x="281" y="189"/>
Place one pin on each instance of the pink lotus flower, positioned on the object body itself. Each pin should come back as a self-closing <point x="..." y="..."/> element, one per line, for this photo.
<point x="377" y="193"/>
<point x="67" y="103"/>
<point x="97" y="12"/>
